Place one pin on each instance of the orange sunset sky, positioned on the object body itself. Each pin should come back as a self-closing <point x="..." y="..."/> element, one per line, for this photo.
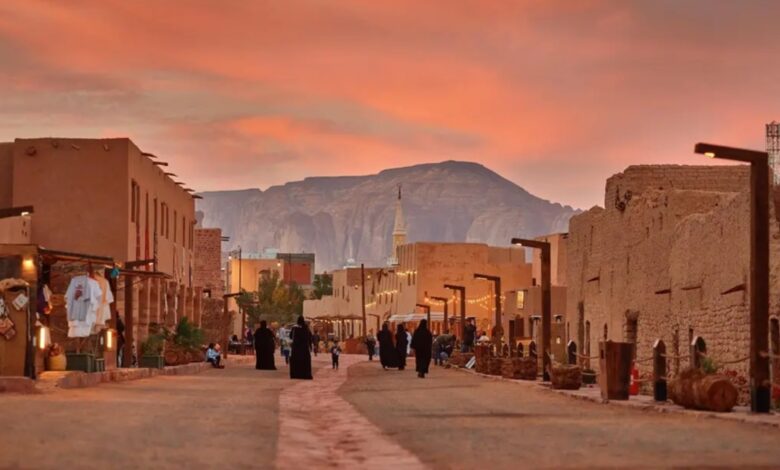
<point x="555" y="96"/>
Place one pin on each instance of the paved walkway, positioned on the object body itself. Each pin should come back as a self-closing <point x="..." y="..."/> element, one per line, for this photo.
<point x="318" y="428"/>
<point x="216" y="419"/>
<point x="357" y="417"/>
<point x="456" y="420"/>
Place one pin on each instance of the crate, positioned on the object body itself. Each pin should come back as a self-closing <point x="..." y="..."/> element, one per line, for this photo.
<point x="84" y="362"/>
<point x="153" y="362"/>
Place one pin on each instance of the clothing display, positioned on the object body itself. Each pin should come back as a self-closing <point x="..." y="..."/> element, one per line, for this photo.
<point x="103" y="315"/>
<point x="82" y="300"/>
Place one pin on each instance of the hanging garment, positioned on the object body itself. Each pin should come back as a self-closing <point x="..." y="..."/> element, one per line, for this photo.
<point x="103" y="315"/>
<point x="82" y="300"/>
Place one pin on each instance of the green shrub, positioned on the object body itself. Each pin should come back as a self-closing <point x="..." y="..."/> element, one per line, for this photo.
<point x="188" y="335"/>
<point x="153" y="346"/>
<point x="708" y="366"/>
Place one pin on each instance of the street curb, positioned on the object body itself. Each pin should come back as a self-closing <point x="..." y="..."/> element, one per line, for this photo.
<point x="51" y="381"/>
<point x="771" y="420"/>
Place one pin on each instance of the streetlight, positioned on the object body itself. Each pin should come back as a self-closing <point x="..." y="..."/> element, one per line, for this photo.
<point x="496" y="280"/>
<point x="445" y="300"/>
<point x="427" y="309"/>
<point x="462" y="290"/>
<point x="759" y="266"/>
<point x="363" y="295"/>
<point x="544" y="247"/>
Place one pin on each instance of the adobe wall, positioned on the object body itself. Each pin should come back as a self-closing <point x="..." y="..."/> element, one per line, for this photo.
<point x="77" y="189"/>
<point x="207" y="261"/>
<point x="668" y="257"/>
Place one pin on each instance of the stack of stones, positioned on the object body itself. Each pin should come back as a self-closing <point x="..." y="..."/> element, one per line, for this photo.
<point x="495" y="365"/>
<point x="566" y="377"/>
<point x="460" y="359"/>
<point x="524" y="368"/>
<point x="482" y="353"/>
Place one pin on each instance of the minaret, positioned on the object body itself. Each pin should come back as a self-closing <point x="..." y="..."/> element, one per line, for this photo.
<point x="399" y="230"/>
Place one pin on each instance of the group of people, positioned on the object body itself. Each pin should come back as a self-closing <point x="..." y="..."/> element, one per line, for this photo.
<point x="298" y="348"/>
<point x="392" y="354"/>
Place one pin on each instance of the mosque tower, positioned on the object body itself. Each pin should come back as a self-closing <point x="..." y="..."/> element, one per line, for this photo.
<point x="399" y="231"/>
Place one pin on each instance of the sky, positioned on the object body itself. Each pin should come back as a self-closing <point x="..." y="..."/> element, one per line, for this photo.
<point x="555" y="96"/>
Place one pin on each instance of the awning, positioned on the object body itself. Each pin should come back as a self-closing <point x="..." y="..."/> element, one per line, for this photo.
<point x="415" y="317"/>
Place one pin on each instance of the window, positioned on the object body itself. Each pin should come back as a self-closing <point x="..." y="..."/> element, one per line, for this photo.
<point x="183" y="231"/>
<point x="155" y="216"/>
<point x="175" y="225"/>
<point x="135" y="201"/>
<point x="520" y="299"/>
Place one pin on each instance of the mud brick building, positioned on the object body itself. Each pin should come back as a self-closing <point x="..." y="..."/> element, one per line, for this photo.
<point x="107" y="198"/>
<point x="667" y="257"/>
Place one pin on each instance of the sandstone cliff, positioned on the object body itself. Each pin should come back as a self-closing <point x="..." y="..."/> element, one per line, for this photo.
<point x="341" y="218"/>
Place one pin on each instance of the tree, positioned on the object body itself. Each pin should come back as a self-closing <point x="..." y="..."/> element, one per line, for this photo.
<point x="323" y="285"/>
<point x="273" y="301"/>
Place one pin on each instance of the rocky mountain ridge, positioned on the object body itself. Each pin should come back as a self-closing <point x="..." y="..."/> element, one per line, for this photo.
<point x="351" y="217"/>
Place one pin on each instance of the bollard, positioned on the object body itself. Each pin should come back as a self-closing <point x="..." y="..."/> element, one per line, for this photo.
<point x="698" y="349"/>
<point x="659" y="371"/>
<point x="571" y="349"/>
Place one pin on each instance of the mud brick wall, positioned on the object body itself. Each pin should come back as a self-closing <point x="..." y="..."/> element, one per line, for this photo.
<point x="207" y="266"/>
<point x="215" y="322"/>
<point x="667" y="257"/>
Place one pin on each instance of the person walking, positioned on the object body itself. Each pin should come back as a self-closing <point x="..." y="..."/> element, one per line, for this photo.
<point x="315" y="343"/>
<point x="387" y="354"/>
<point x="401" y="346"/>
<point x="264" y="348"/>
<point x="422" y="342"/>
<point x="371" y="344"/>
<point x="284" y="348"/>
<point x="335" y="352"/>
<point x="300" y="359"/>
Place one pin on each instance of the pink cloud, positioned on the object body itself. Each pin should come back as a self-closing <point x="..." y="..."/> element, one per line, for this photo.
<point x="556" y="95"/>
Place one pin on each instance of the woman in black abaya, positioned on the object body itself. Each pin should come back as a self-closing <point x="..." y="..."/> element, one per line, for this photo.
<point x="422" y="343"/>
<point x="300" y="358"/>
<point x="387" y="355"/>
<point x="264" y="348"/>
<point x="401" y="342"/>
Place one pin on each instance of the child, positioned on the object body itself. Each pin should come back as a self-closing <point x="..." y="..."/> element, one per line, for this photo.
<point x="286" y="350"/>
<point x="335" y="351"/>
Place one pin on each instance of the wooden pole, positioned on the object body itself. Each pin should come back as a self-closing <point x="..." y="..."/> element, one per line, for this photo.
<point x="759" y="292"/>
<point x="363" y="295"/>
<point x="760" y="386"/>
<point x="127" y="360"/>
<point x="546" y="311"/>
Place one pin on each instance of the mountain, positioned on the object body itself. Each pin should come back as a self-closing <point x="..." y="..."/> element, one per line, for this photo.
<point x="351" y="217"/>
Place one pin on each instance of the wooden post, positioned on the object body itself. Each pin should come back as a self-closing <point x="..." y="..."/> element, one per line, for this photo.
<point x="127" y="360"/>
<point x="659" y="371"/>
<point x="544" y="247"/>
<point x="363" y="295"/>
<point x="571" y="349"/>
<point x="760" y="385"/>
